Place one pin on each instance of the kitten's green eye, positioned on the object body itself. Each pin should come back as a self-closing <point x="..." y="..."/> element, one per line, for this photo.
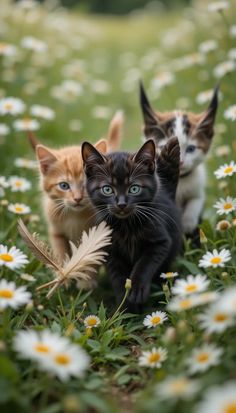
<point x="134" y="189"/>
<point x="107" y="190"/>
<point x="64" y="186"/>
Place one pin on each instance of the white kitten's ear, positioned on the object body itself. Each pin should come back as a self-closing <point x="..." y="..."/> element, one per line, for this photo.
<point x="90" y="155"/>
<point x="45" y="157"/>
<point x="101" y="145"/>
<point x="152" y="127"/>
<point x="147" y="154"/>
<point x="206" y="123"/>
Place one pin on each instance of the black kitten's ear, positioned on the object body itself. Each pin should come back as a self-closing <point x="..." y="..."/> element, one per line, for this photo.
<point x="147" y="154"/>
<point x="168" y="162"/>
<point x="91" y="155"/>
<point x="152" y="126"/>
<point x="206" y="123"/>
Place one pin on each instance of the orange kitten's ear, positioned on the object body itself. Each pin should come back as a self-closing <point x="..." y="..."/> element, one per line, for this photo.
<point x="33" y="140"/>
<point x="90" y="154"/>
<point x="45" y="157"/>
<point x="101" y="145"/>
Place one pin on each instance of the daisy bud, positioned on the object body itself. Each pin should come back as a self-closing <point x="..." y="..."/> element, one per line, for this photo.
<point x="223" y="225"/>
<point x="166" y="289"/>
<point x="170" y="335"/>
<point x="203" y="238"/>
<point x="71" y="404"/>
<point x="182" y="325"/>
<point x="128" y="284"/>
<point x="40" y="307"/>
<point x="2" y="346"/>
<point x="29" y="306"/>
<point x="89" y="331"/>
<point x="224" y="274"/>
<point x="69" y="329"/>
<point x="4" y="202"/>
<point x="190" y="338"/>
<point x="223" y="185"/>
<point x="234" y="222"/>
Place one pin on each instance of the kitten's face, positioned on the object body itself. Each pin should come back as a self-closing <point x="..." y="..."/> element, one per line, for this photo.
<point x="62" y="175"/>
<point x="119" y="184"/>
<point x="194" y="131"/>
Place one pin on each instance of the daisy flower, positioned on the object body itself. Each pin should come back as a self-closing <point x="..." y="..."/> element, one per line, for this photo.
<point x="43" y="112"/>
<point x="53" y="353"/>
<point x="12" y="106"/>
<point x="182" y="303"/>
<point x="232" y="53"/>
<point x="223" y="68"/>
<point x="20" y="209"/>
<point x="92" y="321"/>
<point x="208" y="46"/>
<point x="25" y="163"/>
<point x="228" y="301"/>
<point x="204" y="357"/>
<point x="26" y="124"/>
<point x="153" y="358"/>
<point x="215" y="259"/>
<point x="156" y="318"/>
<point x="191" y="285"/>
<point x="7" y="49"/>
<point x="3" y="182"/>
<point x="225" y="206"/>
<point x="101" y="112"/>
<point x="179" y="387"/>
<point x="12" y="258"/>
<point x="11" y="296"/>
<point x="168" y="275"/>
<point x="223" y="225"/>
<point x="223" y="150"/>
<point x="215" y="319"/>
<point x="225" y="170"/>
<point x="4" y="129"/>
<point x="18" y="184"/>
<point x="36" y="45"/>
<point x="162" y="79"/>
<point x="207" y="297"/>
<point x="219" y="399"/>
<point x="218" y="6"/>
<point x="230" y="113"/>
<point x="204" y="97"/>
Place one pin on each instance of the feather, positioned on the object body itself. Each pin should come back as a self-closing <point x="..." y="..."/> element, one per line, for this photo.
<point x="37" y="247"/>
<point x="82" y="266"/>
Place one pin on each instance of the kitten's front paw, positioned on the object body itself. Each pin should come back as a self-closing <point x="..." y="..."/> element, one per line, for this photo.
<point x="189" y="224"/>
<point x="139" y="294"/>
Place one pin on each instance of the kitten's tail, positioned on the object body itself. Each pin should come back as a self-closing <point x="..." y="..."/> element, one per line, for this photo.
<point x="115" y="131"/>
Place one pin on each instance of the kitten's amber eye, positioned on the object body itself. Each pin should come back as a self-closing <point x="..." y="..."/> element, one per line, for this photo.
<point x="190" y="148"/>
<point x="134" y="189"/>
<point x="64" y="186"/>
<point x="107" y="190"/>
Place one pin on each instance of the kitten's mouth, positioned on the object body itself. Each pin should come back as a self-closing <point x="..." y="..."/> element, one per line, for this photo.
<point x="122" y="214"/>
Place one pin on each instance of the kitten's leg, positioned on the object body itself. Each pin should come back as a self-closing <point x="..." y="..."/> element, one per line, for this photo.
<point x="147" y="266"/>
<point x="60" y="245"/>
<point x="118" y="273"/>
<point x="192" y="213"/>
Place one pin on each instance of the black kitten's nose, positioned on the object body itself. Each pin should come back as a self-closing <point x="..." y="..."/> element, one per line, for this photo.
<point x="121" y="205"/>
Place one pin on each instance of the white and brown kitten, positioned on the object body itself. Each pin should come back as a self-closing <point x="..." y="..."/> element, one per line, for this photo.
<point x="194" y="133"/>
<point x="67" y="208"/>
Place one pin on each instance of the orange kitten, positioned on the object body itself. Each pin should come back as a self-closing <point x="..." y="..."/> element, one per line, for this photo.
<point x="67" y="208"/>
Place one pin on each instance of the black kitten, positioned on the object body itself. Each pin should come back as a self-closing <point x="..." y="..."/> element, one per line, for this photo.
<point x="134" y="194"/>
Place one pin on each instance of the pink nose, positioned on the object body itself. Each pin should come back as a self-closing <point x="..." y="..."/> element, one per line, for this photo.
<point x="77" y="200"/>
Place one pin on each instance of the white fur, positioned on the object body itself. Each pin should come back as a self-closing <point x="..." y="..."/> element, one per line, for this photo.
<point x="190" y="197"/>
<point x="179" y="129"/>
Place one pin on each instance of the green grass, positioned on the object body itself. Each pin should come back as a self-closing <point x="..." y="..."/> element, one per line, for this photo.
<point x="115" y="382"/>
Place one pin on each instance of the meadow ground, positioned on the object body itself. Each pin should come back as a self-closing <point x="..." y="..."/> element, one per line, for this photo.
<point x="84" y="68"/>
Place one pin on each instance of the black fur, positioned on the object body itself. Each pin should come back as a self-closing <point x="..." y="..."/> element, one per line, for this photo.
<point x="145" y="242"/>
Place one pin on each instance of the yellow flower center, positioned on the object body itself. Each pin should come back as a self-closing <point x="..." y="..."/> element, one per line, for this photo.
<point x="18" y="183"/>
<point x="26" y="122"/>
<point x="62" y="359"/>
<point x="216" y="260"/>
<point x="184" y="304"/>
<point x="179" y="386"/>
<point x="6" y="294"/>
<point x="228" y="170"/>
<point x="191" y="288"/>
<point x="156" y="319"/>
<point x="220" y="317"/>
<point x="169" y="274"/>
<point x="42" y="348"/>
<point x="228" y="205"/>
<point x="6" y="257"/>
<point x="18" y="209"/>
<point x="203" y="357"/>
<point x="8" y="106"/>
<point x="92" y="322"/>
<point x="154" y="357"/>
<point x="230" y="408"/>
